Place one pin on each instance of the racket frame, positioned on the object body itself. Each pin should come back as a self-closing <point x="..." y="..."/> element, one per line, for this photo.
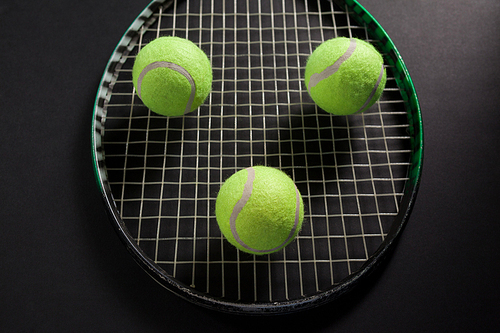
<point x="404" y="82"/>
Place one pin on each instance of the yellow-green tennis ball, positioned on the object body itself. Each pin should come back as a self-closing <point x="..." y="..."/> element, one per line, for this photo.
<point x="259" y="210"/>
<point x="345" y="75"/>
<point x="172" y="76"/>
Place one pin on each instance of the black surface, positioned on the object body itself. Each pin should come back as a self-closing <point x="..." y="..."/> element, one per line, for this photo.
<point x="64" y="269"/>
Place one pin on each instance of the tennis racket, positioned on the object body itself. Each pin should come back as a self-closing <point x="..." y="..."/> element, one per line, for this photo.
<point x="159" y="176"/>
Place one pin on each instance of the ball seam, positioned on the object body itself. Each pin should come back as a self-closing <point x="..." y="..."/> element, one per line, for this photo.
<point x="170" y="65"/>
<point x="332" y="69"/>
<point x="374" y="90"/>
<point x="247" y="192"/>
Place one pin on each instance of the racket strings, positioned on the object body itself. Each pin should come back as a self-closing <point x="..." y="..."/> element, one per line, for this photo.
<point x="165" y="172"/>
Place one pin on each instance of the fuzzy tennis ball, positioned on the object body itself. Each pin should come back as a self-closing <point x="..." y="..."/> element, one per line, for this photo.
<point x="259" y="210"/>
<point x="345" y="75"/>
<point x="172" y="76"/>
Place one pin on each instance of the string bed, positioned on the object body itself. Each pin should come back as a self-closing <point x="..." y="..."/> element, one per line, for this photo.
<point x="164" y="173"/>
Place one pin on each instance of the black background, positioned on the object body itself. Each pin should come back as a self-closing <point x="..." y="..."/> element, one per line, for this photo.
<point x="63" y="269"/>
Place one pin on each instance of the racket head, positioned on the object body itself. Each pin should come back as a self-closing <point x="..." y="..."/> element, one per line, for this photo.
<point x="347" y="168"/>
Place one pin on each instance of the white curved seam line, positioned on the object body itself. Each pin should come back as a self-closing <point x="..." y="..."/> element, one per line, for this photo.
<point x="374" y="90"/>
<point x="332" y="69"/>
<point x="247" y="192"/>
<point x="175" y="67"/>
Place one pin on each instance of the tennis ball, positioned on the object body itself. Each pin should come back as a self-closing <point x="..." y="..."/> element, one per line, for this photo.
<point x="345" y="75"/>
<point x="172" y="76"/>
<point x="259" y="210"/>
